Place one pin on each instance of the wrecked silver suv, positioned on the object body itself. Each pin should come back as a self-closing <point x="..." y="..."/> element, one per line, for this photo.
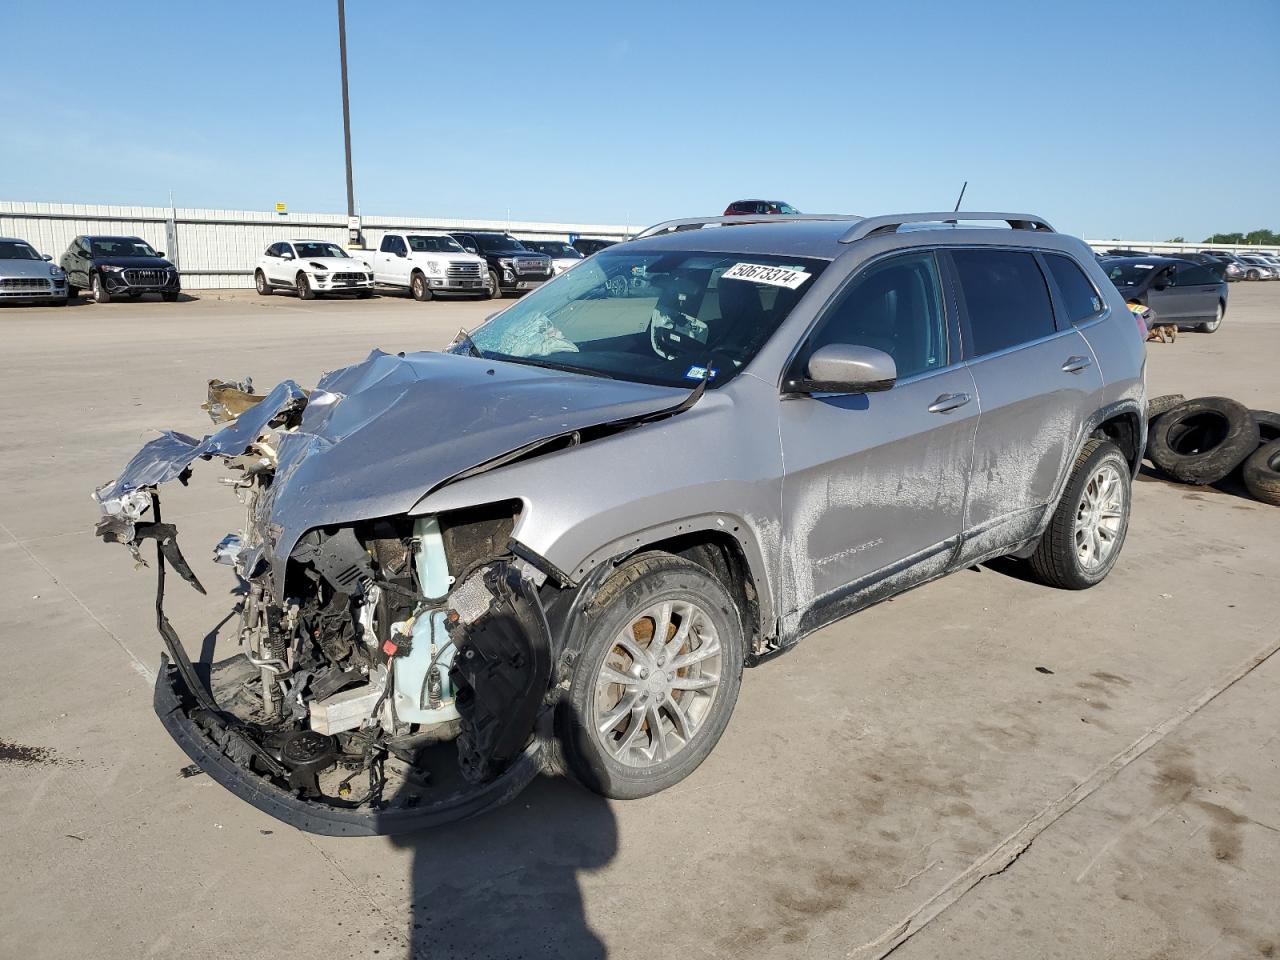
<point x="556" y="544"/>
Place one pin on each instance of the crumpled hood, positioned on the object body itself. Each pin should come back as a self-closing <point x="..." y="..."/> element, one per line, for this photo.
<point x="378" y="436"/>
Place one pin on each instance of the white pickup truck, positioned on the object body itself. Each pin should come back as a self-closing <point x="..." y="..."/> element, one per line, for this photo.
<point x="426" y="263"/>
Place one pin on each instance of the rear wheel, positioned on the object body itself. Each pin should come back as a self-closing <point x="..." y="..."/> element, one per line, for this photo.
<point x="418" y="287"/>
<point x="657" y="678"/>
<point x="98" y="290"/>
<point x="304" y="287"/>
<point x="260" y="282"/>
<point x="1083" y="540"/>
<point x="1211" y="326"/>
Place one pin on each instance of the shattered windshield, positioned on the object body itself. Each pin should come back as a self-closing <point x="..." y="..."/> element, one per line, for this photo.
<point x="312" y="248"/>
<point x="421" y="244"/>
<point x="17" y="250"/>
<point x="666" y="318"/>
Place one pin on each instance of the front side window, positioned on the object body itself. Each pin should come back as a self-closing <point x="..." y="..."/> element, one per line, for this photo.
<point x="1079" y="297"/>
<point x="17" y="250"/>
<point x="1006" y="299"/>
<point x="669" y="318"/>
<point x="1194" y="274"/>
<point x="895" y="306"/>
<point x="319" y="248"/>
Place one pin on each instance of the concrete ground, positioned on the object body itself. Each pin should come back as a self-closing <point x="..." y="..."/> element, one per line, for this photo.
<point x="982" y="768"/>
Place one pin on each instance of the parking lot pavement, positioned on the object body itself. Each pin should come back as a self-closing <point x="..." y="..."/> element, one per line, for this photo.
<point x="980" y="768"/>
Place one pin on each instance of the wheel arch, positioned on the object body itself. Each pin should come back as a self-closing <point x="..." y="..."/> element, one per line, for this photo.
<point x="722" y="544"/>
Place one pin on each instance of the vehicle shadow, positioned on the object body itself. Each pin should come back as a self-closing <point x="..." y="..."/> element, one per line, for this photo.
<point x="505" y="884"/>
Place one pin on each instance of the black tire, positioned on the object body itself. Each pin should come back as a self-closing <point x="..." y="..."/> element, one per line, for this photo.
<point x="1268" y="425"/>
<point x="418" y="288"/>
<point x="1202" y="440"/>
<point x="98" y="290"/>
<point x="495" y="291"/>
<point x="1057" y="560"/>
<point x="260" y="282"/>
<point x="1211" y="326"/>
<point x="304" y="287"/>
<point x="364" y="294"/>
<point x="170" y="297"/>
<point x="1262" y="473"/>
<point x="1253" y="275"/>
<point x="1163" y="404"/>
<point x="637" y="584"/>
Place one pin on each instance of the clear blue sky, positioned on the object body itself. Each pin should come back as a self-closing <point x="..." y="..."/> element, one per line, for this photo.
<point x="1109" y="118"/>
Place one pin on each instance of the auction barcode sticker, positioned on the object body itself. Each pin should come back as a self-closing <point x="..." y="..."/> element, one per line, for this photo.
<point x="760" y="273"/>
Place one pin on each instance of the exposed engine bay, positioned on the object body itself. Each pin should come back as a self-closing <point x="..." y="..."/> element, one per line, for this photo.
<point x="388" y="666"/>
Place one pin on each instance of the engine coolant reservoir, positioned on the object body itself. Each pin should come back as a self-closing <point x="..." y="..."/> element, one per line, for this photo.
<point x="415" y="682"/>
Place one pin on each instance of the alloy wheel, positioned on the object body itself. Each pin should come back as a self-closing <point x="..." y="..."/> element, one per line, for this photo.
<point x="1099" y="518"/>
<point x="657" y="683"/>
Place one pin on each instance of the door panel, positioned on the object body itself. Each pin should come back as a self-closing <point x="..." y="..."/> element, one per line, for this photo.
<point x="873" y="480"/>
<point x="1032" y="414"/>
<point x="1034" y="383"/>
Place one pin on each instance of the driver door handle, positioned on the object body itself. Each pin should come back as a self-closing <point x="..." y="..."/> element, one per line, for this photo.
<point x="1076" y="364"/>
<point x="948" y="402"/>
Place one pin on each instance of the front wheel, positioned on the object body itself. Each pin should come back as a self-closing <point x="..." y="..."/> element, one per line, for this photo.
<point x="1211" y="326"/>
<point x="1253" y="275"/>
<point x="304" y="288"/>
<point x="656" y="681"/>
<point x="260" y="283"/>
<point x="98" y="290"/>
<point x="418" y="287"/>
<point x="1084" y="538"/>
<point x="495" y="291"/>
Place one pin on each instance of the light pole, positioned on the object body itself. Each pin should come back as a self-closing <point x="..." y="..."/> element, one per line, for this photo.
<point x="346" y="119"/>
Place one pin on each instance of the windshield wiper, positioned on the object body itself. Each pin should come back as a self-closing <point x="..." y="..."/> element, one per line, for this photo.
<point x="552" y="365"/>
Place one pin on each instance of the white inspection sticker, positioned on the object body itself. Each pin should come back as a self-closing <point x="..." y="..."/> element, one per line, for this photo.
<point x="761" y="273"/>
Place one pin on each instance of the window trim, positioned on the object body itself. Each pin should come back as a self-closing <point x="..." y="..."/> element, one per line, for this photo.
<point x="963" y="306"/>
<point x="955" y="356"/>
<point x="1056" y="291"/>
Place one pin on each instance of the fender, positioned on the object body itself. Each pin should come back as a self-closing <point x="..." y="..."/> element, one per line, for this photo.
<point x="728" y="524"/>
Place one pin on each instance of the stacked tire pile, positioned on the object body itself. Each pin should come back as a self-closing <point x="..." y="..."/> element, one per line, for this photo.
<point x="1205" y="440"/>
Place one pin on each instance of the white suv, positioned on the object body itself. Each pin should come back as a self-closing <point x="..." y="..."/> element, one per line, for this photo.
<point x="312" y="268"/>
<point x="426" y="263"/>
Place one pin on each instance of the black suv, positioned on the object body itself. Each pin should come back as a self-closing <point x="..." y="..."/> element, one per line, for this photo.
<point x="118" y="267"/>
<point x="513" y="267"/>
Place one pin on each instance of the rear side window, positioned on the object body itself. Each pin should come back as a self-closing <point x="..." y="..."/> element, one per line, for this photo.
<point x="1006" y="298"/>
<point x="1079" y="297"/>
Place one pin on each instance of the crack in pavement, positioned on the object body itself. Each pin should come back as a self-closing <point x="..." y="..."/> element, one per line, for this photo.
<point x="1005" y="853"/>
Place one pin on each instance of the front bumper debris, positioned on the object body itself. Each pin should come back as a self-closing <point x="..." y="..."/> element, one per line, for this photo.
<point x="175" y="705"/>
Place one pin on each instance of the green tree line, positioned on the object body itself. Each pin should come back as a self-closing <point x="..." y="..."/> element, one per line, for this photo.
<point x="1266" y="237"/>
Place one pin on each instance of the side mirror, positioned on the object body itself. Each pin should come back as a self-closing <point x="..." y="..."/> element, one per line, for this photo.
<point x="846" y="368"/>
<point x="286" y="256"/>
<point x="402" y="253"/>
<point x="159" y="253"/>
<point x="47" y="256"/>
<point x="470" y="249"/>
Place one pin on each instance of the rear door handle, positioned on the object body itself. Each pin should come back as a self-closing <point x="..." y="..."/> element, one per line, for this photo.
<point x="948" y="402"/>
<point x="1076" y="364"/>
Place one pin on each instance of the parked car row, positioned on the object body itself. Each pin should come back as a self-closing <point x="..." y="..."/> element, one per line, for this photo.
<point x="1228" y="266"/>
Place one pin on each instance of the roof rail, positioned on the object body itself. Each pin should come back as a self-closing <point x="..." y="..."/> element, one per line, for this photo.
<point x="694" y="223"/>
<point x="889" y="223"/>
